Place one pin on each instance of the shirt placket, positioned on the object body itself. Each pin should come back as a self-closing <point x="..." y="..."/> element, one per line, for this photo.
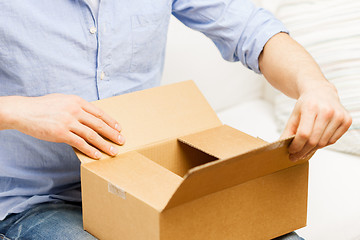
<point x="98" y="31"/>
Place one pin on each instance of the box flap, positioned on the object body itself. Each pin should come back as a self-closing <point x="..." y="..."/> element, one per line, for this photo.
<point x="132" y="173"/>
<point x="158" y="114"/>
<point x="224" y="173"/>
<point x="222" y="142"/>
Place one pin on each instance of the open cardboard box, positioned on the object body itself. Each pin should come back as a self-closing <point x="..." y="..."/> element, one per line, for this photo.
<point x="182" y="174"/>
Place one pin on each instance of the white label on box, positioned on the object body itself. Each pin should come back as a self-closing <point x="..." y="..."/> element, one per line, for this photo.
<point x="116" y="190"/>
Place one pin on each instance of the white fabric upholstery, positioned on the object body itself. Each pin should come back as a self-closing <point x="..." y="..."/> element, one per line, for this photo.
<point x="252" y="117"/>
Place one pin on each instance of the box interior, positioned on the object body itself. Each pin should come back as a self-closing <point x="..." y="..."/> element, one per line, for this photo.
<point x="176" y="156"/>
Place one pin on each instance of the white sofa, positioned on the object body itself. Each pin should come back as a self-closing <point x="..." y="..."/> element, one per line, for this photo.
<point x="243" y="100"/>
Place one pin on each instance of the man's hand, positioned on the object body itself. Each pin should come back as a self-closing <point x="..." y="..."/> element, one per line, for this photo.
<point x="63" y="118"/>
<point x="317" y="120"/>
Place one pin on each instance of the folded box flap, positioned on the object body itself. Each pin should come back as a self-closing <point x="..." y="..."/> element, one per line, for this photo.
<point x="158" y="114"/>
<point x="224" y="173"/>
<point x="133" y="173"/>
<point x="222" y="141"/>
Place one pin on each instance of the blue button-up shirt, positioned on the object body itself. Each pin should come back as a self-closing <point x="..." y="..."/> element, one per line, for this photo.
<point x="59" y="46"/>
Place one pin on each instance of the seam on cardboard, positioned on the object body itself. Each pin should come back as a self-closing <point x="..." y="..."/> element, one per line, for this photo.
<point x="116" y="190"/>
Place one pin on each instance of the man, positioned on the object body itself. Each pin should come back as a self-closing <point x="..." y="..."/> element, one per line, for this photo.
<point x="83" y="51"/>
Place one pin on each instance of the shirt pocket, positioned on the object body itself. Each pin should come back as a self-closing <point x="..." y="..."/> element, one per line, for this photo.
<point x="148" y="41"/>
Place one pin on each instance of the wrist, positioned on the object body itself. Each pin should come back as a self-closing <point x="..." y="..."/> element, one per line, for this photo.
<point x="314" y="84"/>
<point x="7" y="112"/>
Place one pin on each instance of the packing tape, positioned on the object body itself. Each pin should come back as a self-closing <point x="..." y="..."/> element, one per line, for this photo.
<point x="116" y="190"/>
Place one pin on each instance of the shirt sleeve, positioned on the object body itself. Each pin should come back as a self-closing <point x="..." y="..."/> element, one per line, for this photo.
<point x="237" y="27"/>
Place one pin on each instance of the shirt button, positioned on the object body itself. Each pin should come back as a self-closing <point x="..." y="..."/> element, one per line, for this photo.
<point x="92" y="30"/>
<point x="102" y="76"/>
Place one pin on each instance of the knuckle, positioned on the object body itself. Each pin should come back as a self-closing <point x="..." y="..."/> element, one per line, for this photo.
<point x="348" y="121"/>
<point x="73" y="102"/>
<point x="100" y="113"/>
<point x="79" y="143"/>
<point x="328" y="112"/>
<point x="100" y="126"/>
<point x="312" y="142"/>
<point x="304" y="135"/>
<point x="91" y="136"/>
<point x="340" y="117"/>
<point x="73" y="109"/>
<point x="310" y="106"/>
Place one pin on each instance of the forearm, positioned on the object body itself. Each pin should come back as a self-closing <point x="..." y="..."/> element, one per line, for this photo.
<point x="289" y="67"/>
<point x="318" y="118"/>
<point x="6" y="113"/>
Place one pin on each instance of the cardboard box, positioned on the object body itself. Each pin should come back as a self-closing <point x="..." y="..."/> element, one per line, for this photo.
<point x="183" y="175"/>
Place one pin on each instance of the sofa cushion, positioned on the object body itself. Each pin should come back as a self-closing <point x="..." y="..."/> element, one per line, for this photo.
<point x="255" y="118"/>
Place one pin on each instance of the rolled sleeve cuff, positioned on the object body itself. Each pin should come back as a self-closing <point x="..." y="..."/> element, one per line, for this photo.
<point x="261" y="38"/>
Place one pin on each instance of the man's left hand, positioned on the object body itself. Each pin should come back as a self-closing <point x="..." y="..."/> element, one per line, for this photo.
<point x="318" y="120"/>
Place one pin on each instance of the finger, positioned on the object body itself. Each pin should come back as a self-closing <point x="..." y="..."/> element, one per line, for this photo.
<point x="341" y="130"/>
<point x="90" y="136"/>
<point x="322" y="121"/>
<point x="307" y="149"/>
<point x="329" y="132"/>
<point x="101" y="127"/>
<point x="306" y="124"/>
<point x="291" y="125"/>
<point x="296" y="157"/>
<point x="93" y="110"/>
<point x="326" y="124"/>
<point x="80" y="144"/>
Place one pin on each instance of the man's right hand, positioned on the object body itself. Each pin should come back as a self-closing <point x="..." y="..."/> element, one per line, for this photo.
<point x="62" y="118"/>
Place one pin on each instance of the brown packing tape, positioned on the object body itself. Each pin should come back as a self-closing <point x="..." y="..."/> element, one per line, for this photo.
<point x="116" y="190"/>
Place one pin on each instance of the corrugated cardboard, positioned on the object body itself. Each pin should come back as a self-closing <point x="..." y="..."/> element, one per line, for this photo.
<point x="182" y="174"/>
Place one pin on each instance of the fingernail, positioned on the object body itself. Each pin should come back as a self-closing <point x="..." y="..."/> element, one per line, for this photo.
<point x="113" y="150"/>
<point x="98" y="155"/>
<point x="121" y="139"/>
<point x="117" y="127"/>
